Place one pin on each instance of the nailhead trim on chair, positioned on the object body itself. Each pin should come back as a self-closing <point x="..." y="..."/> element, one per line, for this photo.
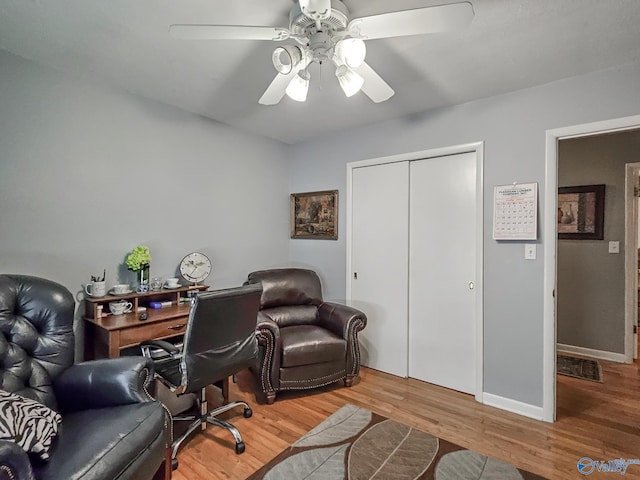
<point x="265" y="338"/>
<point x="320" y="378"/>
<point x="8" y="471"/>
<point x="355" y="326"/>
<point x="145" y="384"/>
<point x="317" y="385"/>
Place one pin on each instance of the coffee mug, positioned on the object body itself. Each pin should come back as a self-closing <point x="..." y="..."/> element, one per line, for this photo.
<point x="120" y="307"/>
<point x="121" y="288"/>
<point x="172" y="282"/>
<point x="96" y="289"/>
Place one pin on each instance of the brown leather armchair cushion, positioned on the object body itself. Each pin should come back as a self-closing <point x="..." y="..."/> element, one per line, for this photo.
<point x="309" y="344"/>
<point x="304" y="341"/>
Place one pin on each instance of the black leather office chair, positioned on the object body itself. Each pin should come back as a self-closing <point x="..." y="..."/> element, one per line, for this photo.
<point x="219" y="341"/>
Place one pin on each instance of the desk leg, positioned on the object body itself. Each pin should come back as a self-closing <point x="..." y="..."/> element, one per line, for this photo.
<point x="114" y="344"/>
<point x="224" y="386"/>
<point x="225" y="390"/>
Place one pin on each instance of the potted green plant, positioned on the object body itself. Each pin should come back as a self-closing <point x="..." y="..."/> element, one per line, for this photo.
<point x="139" y="261"/>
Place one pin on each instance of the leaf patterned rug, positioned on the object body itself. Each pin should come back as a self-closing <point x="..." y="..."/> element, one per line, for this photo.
<point x="357" y="444"/>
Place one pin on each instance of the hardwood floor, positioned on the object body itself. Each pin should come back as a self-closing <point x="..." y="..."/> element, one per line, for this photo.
<point x="596" y="420"/>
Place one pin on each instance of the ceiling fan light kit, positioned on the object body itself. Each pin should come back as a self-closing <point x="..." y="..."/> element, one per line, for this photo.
<point x="350" y="81"/>
<point x="351" y="51"/>
<point x="286" y="58"/>
<point x="324" y="32"/>
<point x="299" y="87"/>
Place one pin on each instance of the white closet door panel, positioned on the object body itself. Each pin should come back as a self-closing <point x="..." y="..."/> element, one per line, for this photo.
<point x="442" y="314"/>
<point x="380" y="238"/>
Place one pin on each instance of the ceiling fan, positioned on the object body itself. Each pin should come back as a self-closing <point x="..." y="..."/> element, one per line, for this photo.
<point x="325" y="33"/>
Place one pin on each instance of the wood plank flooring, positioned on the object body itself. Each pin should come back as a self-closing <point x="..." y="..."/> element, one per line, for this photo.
<point x="596" y="420"/>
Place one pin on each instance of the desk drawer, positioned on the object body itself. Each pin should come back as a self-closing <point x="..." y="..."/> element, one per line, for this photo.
<point x="152" y="331"/>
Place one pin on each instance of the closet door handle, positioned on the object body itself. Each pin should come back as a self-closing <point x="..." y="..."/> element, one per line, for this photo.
<point x="472" y="285"/>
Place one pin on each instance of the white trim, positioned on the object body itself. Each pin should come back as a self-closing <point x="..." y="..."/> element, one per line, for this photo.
<point x="549" y="239"/>
<point x="590" y="352"/>
<point x="550" y="242"/>
<point x="630" y="261"/>
<point x="478" y="149"/>
<point x="513" y="406"/>
<point x="479" y="273"/>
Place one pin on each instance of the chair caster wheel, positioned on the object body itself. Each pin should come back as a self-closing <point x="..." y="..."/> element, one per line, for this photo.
<point x="239" y="447"/>
<point x="248" y="412"/>
<point x="174" y="464"/>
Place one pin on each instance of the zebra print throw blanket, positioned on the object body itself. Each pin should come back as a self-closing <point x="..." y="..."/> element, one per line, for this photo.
<point x="28" y="423"/>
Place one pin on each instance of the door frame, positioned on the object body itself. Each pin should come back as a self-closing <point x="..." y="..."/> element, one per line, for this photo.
<point x="550" y="240"/>
<point x="478" y="149"/>
<point x="632" y="171"/>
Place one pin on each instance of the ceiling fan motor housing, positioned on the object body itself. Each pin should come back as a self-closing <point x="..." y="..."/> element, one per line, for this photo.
<point x="300" y="24"/>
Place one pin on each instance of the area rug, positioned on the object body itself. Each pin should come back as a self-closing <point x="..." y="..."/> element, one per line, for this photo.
<point x="579" y="368"/>
<point x="357" y="444"/>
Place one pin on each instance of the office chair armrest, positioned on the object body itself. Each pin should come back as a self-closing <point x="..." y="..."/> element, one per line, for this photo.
<point x="341" y="319"/>
<point x="14" y="462"/>
<point x="104" y="383"/>
<point x="168" y="347"/>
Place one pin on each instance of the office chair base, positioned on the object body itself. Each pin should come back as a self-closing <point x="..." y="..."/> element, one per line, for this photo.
<point x="197" y="421"/>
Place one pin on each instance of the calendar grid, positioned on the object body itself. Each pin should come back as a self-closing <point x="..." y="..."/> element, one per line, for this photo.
<point x="515" y="212"/>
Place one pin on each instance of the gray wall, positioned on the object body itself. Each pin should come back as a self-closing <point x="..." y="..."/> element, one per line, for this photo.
<point x="590" y="291"/>
<point x="513" y="128"/>
<point x="88" y="173"/>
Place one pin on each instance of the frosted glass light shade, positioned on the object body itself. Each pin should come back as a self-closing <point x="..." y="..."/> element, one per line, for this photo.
<point x="351" y="51"/>
<point x="350" y="81"/>
<point x="286" y="58"/>
<point x="299" y="86"/>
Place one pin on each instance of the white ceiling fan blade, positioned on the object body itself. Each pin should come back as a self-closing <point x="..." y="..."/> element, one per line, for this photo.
<point x="228" y="32"/>
<point x="274" y="92"/>
<point x="374" y="86"/>
<point x="442" y="18"/>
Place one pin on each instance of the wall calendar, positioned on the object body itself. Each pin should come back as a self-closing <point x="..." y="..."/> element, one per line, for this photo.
<point x="515" y="211"/>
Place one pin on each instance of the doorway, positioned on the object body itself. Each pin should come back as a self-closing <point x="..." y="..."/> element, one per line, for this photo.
<point x="551" y="256"/>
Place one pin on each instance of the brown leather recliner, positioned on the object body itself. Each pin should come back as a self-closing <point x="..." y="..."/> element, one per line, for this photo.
<point x="304" y="342"/>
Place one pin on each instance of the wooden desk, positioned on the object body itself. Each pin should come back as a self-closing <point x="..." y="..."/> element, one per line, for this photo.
<point x="107" y="336"/>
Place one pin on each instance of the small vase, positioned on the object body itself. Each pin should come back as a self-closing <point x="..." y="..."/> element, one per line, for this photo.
<point x="143" y="280"/>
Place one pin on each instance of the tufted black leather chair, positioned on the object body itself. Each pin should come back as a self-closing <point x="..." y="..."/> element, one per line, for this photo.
<point x="111" y="428"/>
<point x="304" y="342"/>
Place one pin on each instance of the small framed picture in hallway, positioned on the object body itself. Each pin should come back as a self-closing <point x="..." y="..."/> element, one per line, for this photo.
<point x="581" y="212"/>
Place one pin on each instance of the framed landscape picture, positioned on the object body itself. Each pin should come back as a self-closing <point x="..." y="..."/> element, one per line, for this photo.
<point x="581" y="212"/>
<point x="315" y="215"/>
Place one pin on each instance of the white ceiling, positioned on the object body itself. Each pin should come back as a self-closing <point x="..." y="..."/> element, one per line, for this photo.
<point x="510" y="45"/>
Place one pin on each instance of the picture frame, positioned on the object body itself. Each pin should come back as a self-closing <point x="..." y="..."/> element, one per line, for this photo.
<point x="314" y="215"/>
<point x="581" y="212"/>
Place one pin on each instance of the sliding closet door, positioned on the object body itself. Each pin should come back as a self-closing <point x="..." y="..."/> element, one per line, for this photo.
<point x="379" y="263"/>
<point x="442" y="313"/>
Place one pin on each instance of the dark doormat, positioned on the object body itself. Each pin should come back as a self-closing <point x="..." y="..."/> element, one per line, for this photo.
<point x="579" y="368"/>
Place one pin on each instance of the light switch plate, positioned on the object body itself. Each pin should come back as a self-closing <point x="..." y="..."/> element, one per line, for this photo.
<point x="530" y="251"/>
<point x="614" y="247"/>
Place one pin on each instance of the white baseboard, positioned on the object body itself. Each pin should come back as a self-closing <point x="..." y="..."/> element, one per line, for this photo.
<point x="512" y="406"/>
<point x="590" y="352"/>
